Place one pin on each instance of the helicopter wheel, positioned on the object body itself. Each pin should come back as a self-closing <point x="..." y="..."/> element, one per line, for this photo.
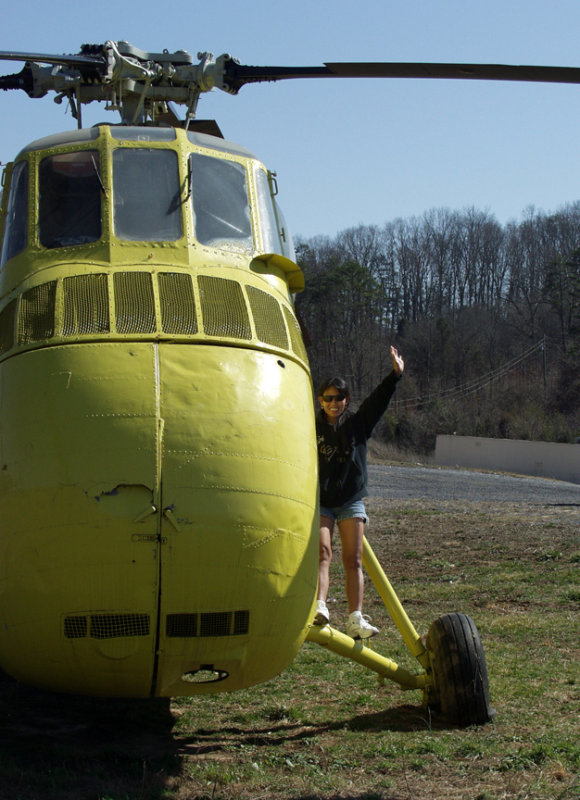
<point x="461" y="686"/>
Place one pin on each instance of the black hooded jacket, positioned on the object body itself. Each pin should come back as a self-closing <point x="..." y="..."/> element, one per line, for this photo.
<point x="342" y="449"/>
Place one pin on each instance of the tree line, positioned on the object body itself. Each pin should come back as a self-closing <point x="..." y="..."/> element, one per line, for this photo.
<point x="463" y="297"/>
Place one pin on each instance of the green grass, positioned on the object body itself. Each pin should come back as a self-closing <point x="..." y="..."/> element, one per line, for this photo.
<point x="326" y="728"/>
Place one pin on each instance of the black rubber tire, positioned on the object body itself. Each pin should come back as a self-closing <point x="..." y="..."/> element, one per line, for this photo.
<point x="461" y="686"/>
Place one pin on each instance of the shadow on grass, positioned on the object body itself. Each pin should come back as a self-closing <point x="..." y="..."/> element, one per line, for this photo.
<point x="368" y="795"/>
<point x="405" y="718"/>
<point x="64" y="747"/>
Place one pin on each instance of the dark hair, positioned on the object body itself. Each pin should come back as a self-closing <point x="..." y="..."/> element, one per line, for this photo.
<point x="338" y="383"/>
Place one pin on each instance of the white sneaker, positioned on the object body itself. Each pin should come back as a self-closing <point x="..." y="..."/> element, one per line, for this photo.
<point x="358" y="626"/>
<point x="321" y="615"/>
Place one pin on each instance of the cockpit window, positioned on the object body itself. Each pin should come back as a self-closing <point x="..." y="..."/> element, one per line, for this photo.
<point x="268" y="222"/>
<point x="147" y="195"/>
<point x="69" y="207"/>
<point x="275" y="235"/>
<point x="220" y="203"/>
<point x="16" y="213"/>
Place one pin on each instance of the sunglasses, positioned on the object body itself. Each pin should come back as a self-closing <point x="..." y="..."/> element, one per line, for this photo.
<point x="328" y="398"/>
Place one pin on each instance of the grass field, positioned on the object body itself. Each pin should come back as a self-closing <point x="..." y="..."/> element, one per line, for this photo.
<point x="326" y="728"/>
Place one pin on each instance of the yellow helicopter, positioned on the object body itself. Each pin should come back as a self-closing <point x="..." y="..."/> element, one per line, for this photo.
<point x="158" y="467"/>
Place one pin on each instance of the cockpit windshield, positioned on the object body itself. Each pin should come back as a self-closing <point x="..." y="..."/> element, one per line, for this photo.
<point x="220" y="202"/>
<point x="147" y="200"/>
<point x="147" y="195"/>
<point x="69" y="209"/>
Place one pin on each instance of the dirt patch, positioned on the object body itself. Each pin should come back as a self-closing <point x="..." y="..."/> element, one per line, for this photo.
<point x="472" y="530"/>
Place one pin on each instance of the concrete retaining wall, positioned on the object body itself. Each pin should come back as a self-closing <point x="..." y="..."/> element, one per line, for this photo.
<point x="541" y="459"/>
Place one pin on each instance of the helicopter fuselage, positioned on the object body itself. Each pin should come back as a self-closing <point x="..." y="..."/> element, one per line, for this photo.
<point x="158" y="490"/>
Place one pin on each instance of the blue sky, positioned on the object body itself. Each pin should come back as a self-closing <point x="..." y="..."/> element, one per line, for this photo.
<point x="352" y="151"/>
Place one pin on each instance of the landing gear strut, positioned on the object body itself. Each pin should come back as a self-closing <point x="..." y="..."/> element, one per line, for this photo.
<point x="454" y="678"/>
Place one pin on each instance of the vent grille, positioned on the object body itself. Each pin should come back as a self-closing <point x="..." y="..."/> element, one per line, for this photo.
<point x="177" y="303"/>
<point x="36" y="317"/>
<point x="131" y="303"/>
<point x="295" y="334"/>
<point x="241" y="622"/>
<point x="218" y="623"/>
<point x="134" y="302"/>
<point x="86" y="305"/>
<point x="182" y="626"/>
<point x="223" y="308"/>
<point x="106" y="626"/>
<point x="75" y="627"/>
<point x="7" y="319"/>
<point x="268" y="320"/>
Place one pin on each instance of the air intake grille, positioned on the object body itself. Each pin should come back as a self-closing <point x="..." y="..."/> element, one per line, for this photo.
<point x="295" y="334"/>
<point x="141" y="303"/>
<point x="218" y="623"/>
<point x="106" y="626"/>
<point x="223" y="308"/>
<point x="134" y="303"/>
<point x="268" y="319"/>
<point x="177" y="303"/>
<point x="86" y="305"/>
<point x="36" y="317"/>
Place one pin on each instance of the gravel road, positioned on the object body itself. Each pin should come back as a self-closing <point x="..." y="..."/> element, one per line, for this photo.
<point x="427" y="483"/>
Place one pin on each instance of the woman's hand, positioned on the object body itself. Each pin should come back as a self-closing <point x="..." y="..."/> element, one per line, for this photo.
<point x="398" y="363"/>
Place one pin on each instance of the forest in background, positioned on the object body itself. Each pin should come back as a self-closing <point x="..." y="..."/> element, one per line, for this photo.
<point x="486" y="316"/>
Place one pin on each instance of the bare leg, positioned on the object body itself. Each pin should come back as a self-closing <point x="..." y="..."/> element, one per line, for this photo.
<point x="351" y="536"/>
<point x="325" y="556"/>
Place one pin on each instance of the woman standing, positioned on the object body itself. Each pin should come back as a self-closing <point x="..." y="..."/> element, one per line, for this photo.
<point x="342" y="458"/>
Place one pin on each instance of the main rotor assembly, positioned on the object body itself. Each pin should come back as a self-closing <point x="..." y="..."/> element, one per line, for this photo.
<point x="141" y="85"/>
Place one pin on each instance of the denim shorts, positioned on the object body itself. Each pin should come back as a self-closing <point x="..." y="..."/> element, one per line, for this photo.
<point x="351" y="510"/>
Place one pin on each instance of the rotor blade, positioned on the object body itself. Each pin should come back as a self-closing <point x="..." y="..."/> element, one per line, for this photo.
<point x="43" y="58"/>
<point x="237" y="75"/>
<point x="482" y="72"/>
